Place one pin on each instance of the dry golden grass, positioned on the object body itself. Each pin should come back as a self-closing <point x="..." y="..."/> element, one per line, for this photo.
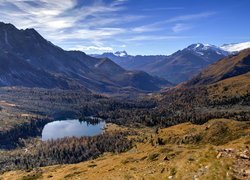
<point x="148" y="160"/>
<point x="4" y="103"/>
<point x="226" y="65"/>
<point x="225" y="68"/>
<point x="231" y="87"/>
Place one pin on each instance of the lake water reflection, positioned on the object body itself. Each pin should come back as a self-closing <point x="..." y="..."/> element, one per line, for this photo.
<point x="70" y="128"/>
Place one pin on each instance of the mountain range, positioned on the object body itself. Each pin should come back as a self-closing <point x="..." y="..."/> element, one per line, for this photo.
<point x="179" y="66"/>
<point x="27" y="59"/>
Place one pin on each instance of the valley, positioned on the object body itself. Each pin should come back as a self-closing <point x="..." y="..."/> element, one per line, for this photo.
<point x="141" y="127"/>
<point x="69" y="114"/>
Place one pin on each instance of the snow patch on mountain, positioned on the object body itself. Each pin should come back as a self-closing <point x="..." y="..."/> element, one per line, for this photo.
<point x="121" y="53"/>
<point x="201" y="49"/>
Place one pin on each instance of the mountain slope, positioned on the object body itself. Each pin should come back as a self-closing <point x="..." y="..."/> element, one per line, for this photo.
<point x="113" y="73"/>
<point x="100" y="75"/>
<point x="186" y="63"/>
<point x="16" y="72"/>
<point x="236" y="87"/>
<point x="231" y="66"/>
<point x="131" y="62"/>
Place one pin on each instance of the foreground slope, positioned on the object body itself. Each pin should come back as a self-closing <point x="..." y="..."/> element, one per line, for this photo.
<point x="216" y="150"/>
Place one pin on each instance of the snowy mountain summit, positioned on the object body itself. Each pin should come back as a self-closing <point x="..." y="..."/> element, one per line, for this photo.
<point x="225" y="49"/>
<point x="121" y="53"/>
<point x="202" y="49"/>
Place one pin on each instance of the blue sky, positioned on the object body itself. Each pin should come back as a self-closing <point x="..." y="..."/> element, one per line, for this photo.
<point x="137" y="26"/>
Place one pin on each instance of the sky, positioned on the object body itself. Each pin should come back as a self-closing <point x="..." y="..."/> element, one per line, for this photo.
<point x="146" y="27"/>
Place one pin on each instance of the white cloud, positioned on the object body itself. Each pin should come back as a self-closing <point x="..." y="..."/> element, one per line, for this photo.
<point x="41" y="14"/>
<point x="180" y="27"/>
<point x="147" y="28"/>
<point x="92" y="48"/>
<point x="63" y="21"/>
<point x="163" y="9"/>
<point x="86" y="34"/>
<point x="191" y="17"/>
<point x="86" y="27"/>
<point x="151" y="38"/>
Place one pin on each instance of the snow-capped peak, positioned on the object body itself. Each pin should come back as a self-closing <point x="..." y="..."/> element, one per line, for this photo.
<point x="235" y="47"/>
<point x="200" y="48"/>
<point x="198" y="45"/>
<point x="121" y="53"/>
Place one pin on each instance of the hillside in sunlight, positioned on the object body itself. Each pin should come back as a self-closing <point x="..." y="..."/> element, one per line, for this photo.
<point x="225" y="68"/>
<point x="218" y="149"/>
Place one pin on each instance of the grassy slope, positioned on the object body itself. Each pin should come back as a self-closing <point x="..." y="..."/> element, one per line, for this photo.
<point x="235" y="86"/>
<point x="225" y="68"/>
<point x="11" y="115"/>
<point x="209" y="151"/>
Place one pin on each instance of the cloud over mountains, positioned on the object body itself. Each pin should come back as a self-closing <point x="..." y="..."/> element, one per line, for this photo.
<point x="96" y="26"/>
